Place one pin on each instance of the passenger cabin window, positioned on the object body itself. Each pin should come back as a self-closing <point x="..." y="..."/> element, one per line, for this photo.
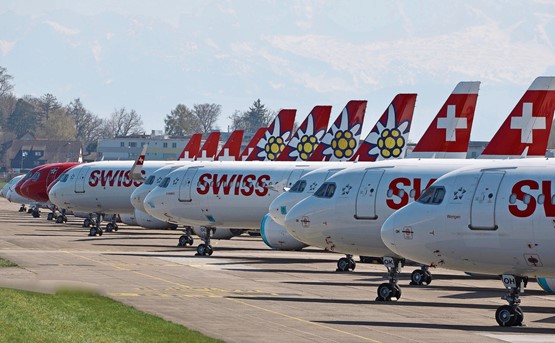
<point x="298" y="187"/>
<point x="326" y="190"/>
<point x="165" y="182"/>
<point x="150" y="180"/>
<point x="432" y="195"/>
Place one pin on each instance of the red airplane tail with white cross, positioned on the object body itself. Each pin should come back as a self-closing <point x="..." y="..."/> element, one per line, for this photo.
<point x="307" y="136"/>
<point x="276" y="136"/>
<point x="231" y="150"/>
<point x="525" y="132"/>
<point x="209" y="148"/>
<point x="449" y="133"/>
<point x="389" y="137"/>
<point x="192" y="148"/>
<point x="341" y="140"/>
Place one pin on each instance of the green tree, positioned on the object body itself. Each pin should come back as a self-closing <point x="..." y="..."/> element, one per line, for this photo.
<point x="207" y="116"/>
<point x="59" y="126"/>
<point x="46" y="104"/>
<point x="256" y="117"/>
<point x="181" y="121"/>
<point x="5" y="82"/>
<point x="23" y="119"/>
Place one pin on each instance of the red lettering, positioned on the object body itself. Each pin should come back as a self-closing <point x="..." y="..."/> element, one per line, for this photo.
<point x="204" y="184"/>
<point x="531" y="206"/>
<point x="404" y="199"/>
<point x="227" y="185"/>
<point x="262" y="189"/>
<point x="548" y="205"/>
<point x="248" y="185"/>
<point x="238" y="184"/>
<point x="93" y="179"/>
<point x="127" y="180"/>
<point x="218" y="183"/>
<point x="137" y="183"/>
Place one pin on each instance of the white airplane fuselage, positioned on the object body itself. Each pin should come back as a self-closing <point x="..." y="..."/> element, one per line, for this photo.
<point x="497" y="219"/>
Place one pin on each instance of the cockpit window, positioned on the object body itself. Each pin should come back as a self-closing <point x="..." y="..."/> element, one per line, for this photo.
<point x="36" y="176"/>
<point x="64" y="177"/>
<point x="326" y="190"/>
<point x="432" y="195"/>
<point x="298" y="187"/>
<point x="150" y="180"/>
<point x="165" y="182"/>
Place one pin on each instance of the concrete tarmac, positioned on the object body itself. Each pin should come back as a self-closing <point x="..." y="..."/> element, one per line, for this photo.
<point x="246" y="292"/>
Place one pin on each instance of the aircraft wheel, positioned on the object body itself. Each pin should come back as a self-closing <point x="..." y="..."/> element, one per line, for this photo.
<point x="100" y="232"/>
<point x="50" y="216"/>
<point x="190" y="240"/>
<point x="60" y="219"/>
<point x="427" y="277"/>
<point x="36" y="214"/>
<point x="22" y="209"/>
<point x="116" y="227"/>
<point x="417" y="277"/>
<point x="201" y="249"/>
<point x="109" y="227"/>
<point x="209" y="251"/>
<point x="182" y="241"/>
<point x="385" y="291"/>
<point x="86" y="222"/>
<point x="507" y="315"/>
<point x="343" y="265"/>
<point x="92" y="232"/>
<point x="29" y="210"/>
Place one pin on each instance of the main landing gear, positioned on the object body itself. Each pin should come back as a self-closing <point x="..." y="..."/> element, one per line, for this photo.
<point x="96" y="229"/>
<point x="186" y="239"/>
<point x="345" y="264"/>
<point x="36" y="212"/>
<point x="205" y="249"/>
<point x="61" y="218"/>
<point x="112" y="225"/>
<point x="22" y="208"/>
<point x="511" y="315"/>
<point x="421" y="276"/>
<point x="390" y="290"/>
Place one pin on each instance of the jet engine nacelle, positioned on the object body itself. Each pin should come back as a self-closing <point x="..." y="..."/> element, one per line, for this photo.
<point x="149" y="222"/>
<point x="276" y="236"/>
<point x="128" y="219"/>
<point x="548" y="285"/>
<point x="217" y="233"/>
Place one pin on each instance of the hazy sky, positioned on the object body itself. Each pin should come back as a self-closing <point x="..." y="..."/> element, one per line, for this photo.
<point x="153" y="55"/>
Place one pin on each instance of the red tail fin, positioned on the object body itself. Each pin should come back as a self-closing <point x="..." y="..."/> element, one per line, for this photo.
<point x="528" y="125"/>
<point x="232" y="148"/>
<point x="308" y="135"/>
<point x="210" y="147"/>
<point x="270" y="146"/>
<point x="190" y="151"/>
<point x="252" y="144"/>
<point x="389" y="137"/>
<point x="449" y="133"/>
<point x="341" y="140"/>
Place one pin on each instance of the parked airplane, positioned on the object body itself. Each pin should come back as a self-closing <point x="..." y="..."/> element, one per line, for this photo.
<point x="448" y="136"/>
<point x="346" y="212"/>
<point x="494" y="219"/>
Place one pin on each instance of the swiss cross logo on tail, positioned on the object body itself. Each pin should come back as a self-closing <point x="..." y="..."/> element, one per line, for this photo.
<point x="141" y="160"/>
<point x="451" y="123"/>
<point x="527" y="123"/>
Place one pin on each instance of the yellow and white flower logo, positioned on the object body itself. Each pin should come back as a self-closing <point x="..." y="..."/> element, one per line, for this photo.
<point x="388" y="141"/>
<point x="304" y="146"/>
<point x="273" y="143"/>
<point x="342" y="141"/>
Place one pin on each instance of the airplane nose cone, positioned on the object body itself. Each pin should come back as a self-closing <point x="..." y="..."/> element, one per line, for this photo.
<point x="296" y="221"/>
<point x="137" y="199"/>
<point x="278" y="210"/>
<point x="388" y="232"/>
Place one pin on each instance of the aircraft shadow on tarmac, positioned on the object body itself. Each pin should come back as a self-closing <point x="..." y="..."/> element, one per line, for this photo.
<point x="462" y="327"/>
<point x="491" y="307"/>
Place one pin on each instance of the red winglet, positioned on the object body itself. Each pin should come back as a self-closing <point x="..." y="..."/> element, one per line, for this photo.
<point x="272" y="144"/>
<point x="341" y="140"/>
<point x="528" y="125"/>
<point x="308" y="135"/>
<point x="192" y="148"/>
<point x="449" y="133"/>
<point x="210" y="147"/>
<point x="388" y="139"/>
<point x="232" y="148"/>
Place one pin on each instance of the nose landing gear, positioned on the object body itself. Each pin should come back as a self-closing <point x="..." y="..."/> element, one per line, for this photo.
<point x="390" y="290"/>
<point x="186" y="239"/>
<point x="511" y="315"/>
<point x="346" y="264"/>
<point x="421" y="276"/>
<point x="205" y="249"/>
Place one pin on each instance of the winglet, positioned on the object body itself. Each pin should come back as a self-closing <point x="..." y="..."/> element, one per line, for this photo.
<point x="308" y="135"/>
<point x="136" y="170"/>
<point x="341" y="140"/>
<point x="252" y="144"/>
<point x="270" y="146"/>
<point x="449" y="133"/>
<point x="191" y="149"/>
<point x="232" y="148"/>
<point x="210" y="147"/>
<point x="388" y="139"/>
<point x="528" y="125"/>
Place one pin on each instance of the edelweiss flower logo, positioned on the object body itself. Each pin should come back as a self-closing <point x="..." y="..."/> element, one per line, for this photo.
<point x="389" y="141"/>
<point x="341" y="141"/>
<point x="272" y="144"/>
<point x="305" y="146"/>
